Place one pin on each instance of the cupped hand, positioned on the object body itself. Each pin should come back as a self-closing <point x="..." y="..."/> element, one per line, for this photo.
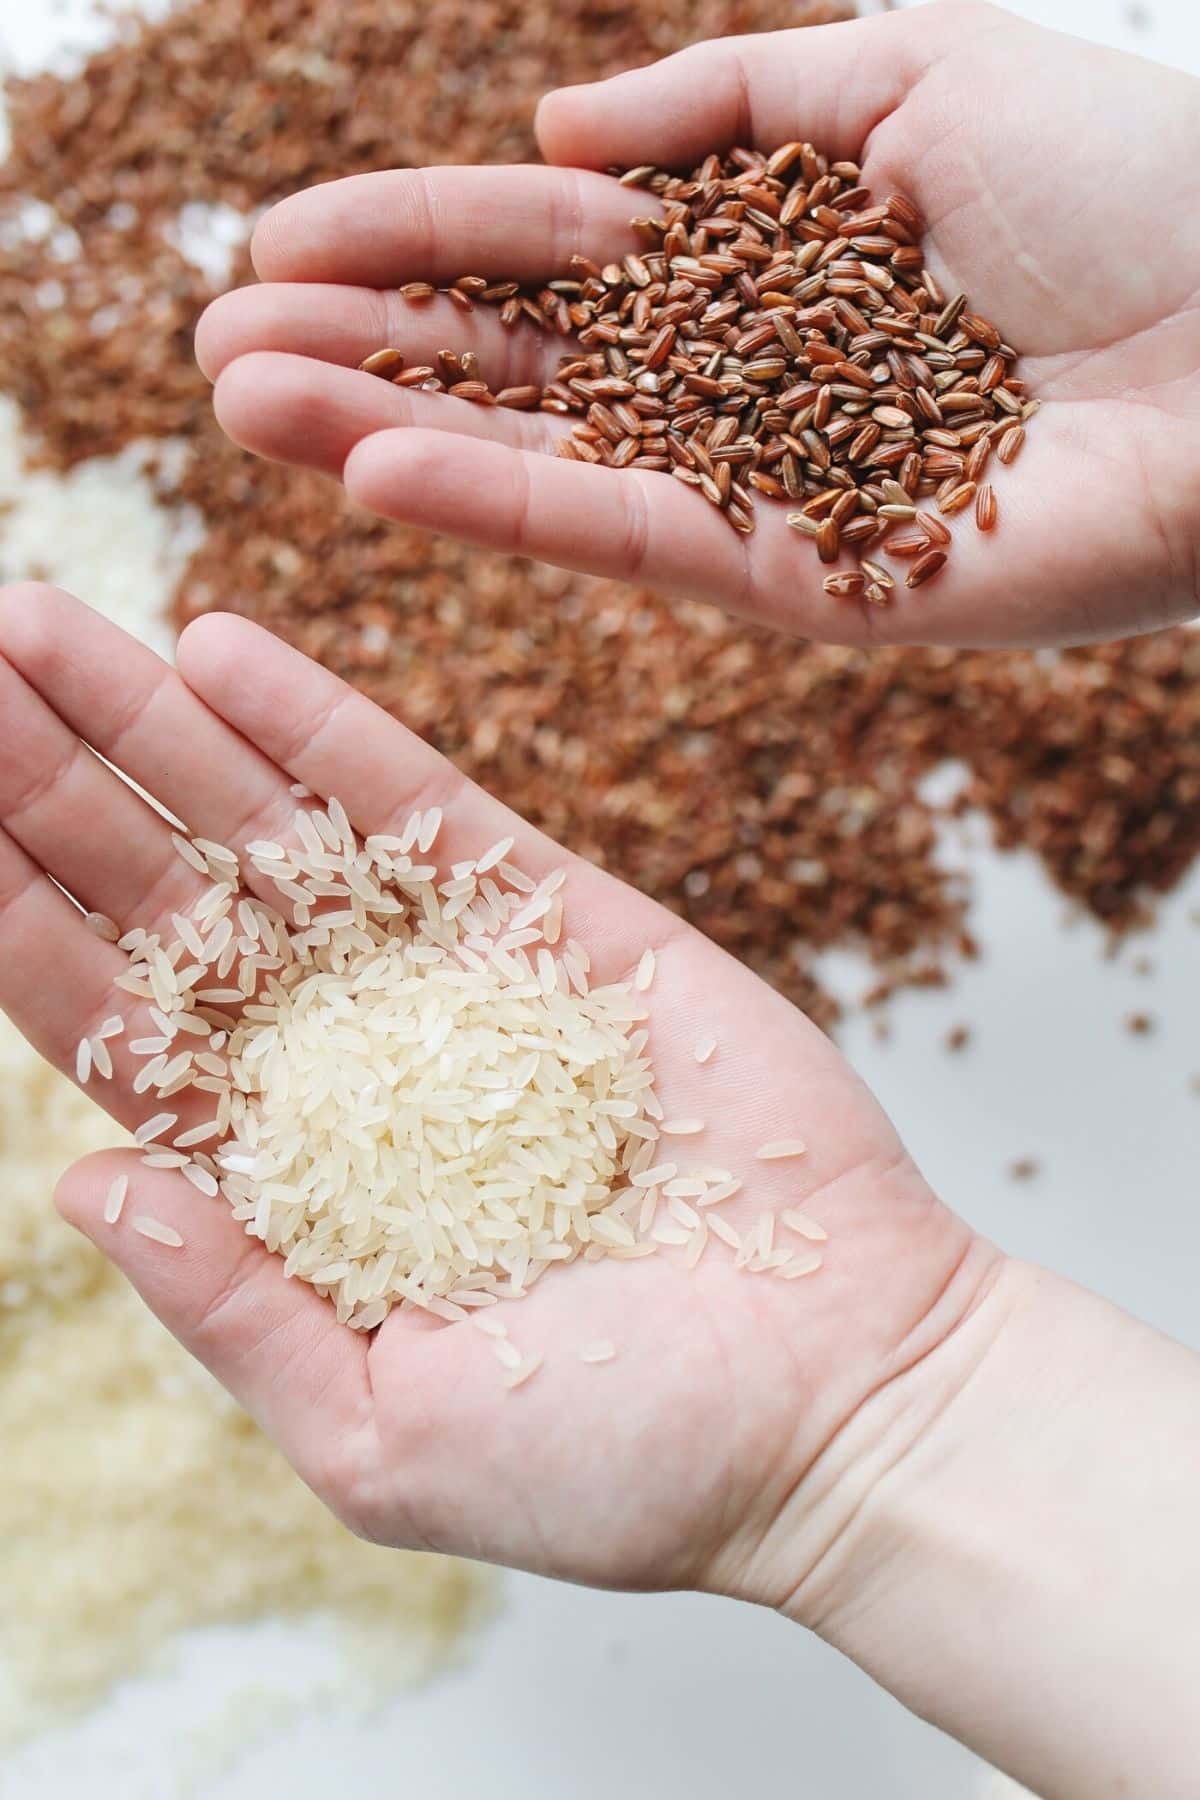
<point x="703" y="1453"/>
<point x="1061" y="188"/>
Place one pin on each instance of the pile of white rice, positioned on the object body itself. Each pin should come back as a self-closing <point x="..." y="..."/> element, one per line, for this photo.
<point x="408" y="1086"/>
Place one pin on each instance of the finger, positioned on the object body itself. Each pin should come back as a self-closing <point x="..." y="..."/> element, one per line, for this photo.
<point x="627" y="524"/>
<point x="73" y="680"/>
<point x="78" y="820"/>
<point x="292" y="409"/>
<point x="339" y="743"/>
<point x="630" y="525"/>
<point x="132" y="708"/>
<point x="343" y="325"/>
<point x="56" y="980"/>
<point x="521" y="223"/>
<point x="831" y="84"/>
<point x="139" y="715"/>
<point x="273" y="1342"/>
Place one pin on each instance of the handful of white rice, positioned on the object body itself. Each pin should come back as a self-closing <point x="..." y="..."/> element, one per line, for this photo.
<point x="417" y="1096"/>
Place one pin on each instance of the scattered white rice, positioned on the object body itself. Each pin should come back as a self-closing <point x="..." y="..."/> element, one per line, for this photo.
<point x="681" y="1127"/>
<point x="431" y="824"/>
<point x="654" y="1177"/>
<point x="490" y="1326"/>
<point x="724" y="1190"/>
<point x="190" y="855"/>
<point x="644" y="974"/>
<point x="669" y="1234"/>
<point x="799" y="1265"/>
<point x="704" y="1050"/>
<point x="779" y="1148"/>
<point x="492" y="858"/>
<point x="520" y="1375"/>
<point x="697" y="1245"/>
<point x="197" y="1135"/>
<point x="154" y="1128"/>
<point x="799" y="1222"/>
<point x="603" y="1350"/>
<point x="114" y="1200"/>
<point x="154" y="1228"/>
<point x="83" y="1061"/>
<point x="724" y="1230"/>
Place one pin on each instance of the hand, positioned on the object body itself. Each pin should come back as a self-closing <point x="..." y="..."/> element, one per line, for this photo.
<point x="931" y="1455"/>
<point x="1060" y="186"/>
<point x="671" y="1465"/>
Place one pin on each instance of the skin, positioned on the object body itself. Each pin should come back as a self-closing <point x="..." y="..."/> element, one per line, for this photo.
<point x="939" y="1459"/>
<point x="1060" y="189"/>
<point x="943" y="1461"/>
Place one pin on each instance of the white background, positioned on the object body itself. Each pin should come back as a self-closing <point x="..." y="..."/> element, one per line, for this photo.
<point x="582" y="1695"/>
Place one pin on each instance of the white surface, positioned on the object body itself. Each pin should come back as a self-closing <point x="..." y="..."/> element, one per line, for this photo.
<point x="709" y="1697"/>
<point x="97" y="531"/>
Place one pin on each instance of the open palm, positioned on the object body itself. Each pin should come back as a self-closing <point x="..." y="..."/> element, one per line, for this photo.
<point x="1061" y="188"/>
<point x="670" y="1464"/>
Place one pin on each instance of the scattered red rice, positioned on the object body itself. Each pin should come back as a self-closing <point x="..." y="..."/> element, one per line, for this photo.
<point x="600" y="712"/>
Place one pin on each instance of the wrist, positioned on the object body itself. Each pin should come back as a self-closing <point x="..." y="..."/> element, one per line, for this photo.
<point x="1003" y="1536"/>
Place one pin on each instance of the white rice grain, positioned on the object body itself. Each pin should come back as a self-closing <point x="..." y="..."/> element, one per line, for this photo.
<point x="431" y="824"/>
<point x="197" y="1135"/>
<point x="654" y="1177"/>
<point x="800" y="1265"/>
<point x="724" y="1230"/>
<point x="521" y="1375"/>
<point x="799" y="1222"/>
<point x="190" y="855"/>
<point x="154" y="1128"/>
<point x="159" y="1233"/>
<point x="489" y="1326"/>
<point x="114" y="1200"/>
<point x="494" y="856"/>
